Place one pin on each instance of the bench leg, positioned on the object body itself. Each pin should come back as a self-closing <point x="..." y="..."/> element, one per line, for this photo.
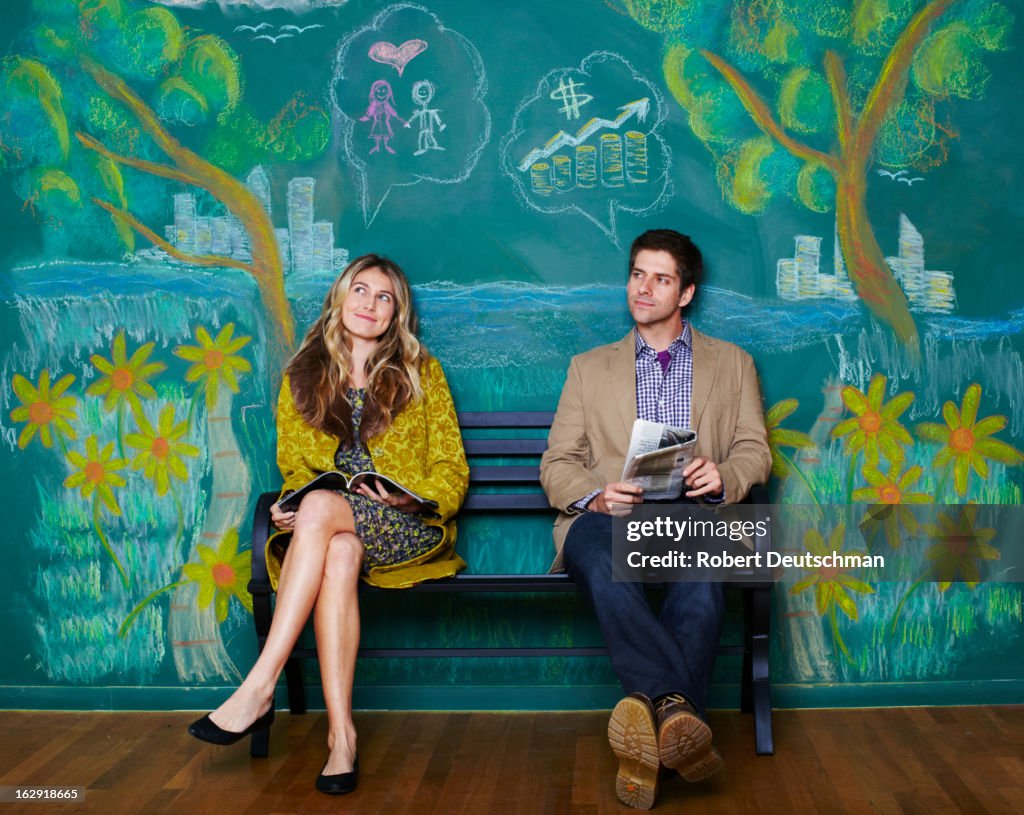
<point x="262" y="613"/>
<point x="296" y="690"/>
<point x="259" y="743"/>
<point x="747" y="675"/>
<point x="759" y="676"/>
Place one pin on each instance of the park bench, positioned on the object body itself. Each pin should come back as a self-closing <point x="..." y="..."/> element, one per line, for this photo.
<point x="504" y="449"/>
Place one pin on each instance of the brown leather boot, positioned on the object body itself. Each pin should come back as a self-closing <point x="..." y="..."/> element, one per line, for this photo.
<point x="633" y="737"/>
<point x="684" y="739"/>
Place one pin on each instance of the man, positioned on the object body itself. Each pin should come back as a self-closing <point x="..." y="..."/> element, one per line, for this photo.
<point x="663" y="371"/>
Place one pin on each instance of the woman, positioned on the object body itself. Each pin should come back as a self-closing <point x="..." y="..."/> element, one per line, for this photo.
<point x="360" y="394"/>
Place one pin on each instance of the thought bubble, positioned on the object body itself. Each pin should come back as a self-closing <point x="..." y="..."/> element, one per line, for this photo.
<point x="588" y="141"/>
<point x="408" y="104"/>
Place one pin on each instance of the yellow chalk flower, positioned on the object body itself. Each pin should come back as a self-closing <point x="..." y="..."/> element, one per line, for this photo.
<point x="161" y="451"/>
<point x="215" y="361"/>
<point x="831" y="583"/>
<point x="221" y="575"/>
<point x="888" y="494"/>
<point x="875" y="426"/>
<point x="966" y="440"/>
<point x="123" y="380"/>
<point x="97" y="472"/>
<point x="959" y="547"/>
<point x="45" y="408"/>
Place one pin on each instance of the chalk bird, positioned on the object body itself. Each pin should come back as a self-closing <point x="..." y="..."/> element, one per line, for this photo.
<point x="273" y="39"/>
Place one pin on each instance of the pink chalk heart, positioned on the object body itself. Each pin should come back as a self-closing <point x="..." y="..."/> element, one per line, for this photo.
<point x="398" y="57"/>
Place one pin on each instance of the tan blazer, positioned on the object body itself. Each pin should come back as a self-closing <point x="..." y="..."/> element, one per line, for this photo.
<point x="590" y="434"/>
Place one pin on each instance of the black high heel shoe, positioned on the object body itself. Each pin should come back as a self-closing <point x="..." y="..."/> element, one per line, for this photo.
<point x="205" y="730"/>
<point x="341" y="783"/>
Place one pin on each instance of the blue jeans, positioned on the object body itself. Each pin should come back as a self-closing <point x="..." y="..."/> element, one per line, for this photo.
<point x="655" y="654"/>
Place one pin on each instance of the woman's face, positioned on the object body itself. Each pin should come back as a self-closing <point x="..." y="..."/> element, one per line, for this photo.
<point x="370" y="305"/>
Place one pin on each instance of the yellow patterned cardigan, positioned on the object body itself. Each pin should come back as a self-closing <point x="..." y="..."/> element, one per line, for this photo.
<point x="422" y="449"/>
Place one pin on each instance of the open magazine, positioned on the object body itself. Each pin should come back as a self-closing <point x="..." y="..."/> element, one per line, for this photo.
<point x="339" y="481"/>
<point x="657" y="456"/>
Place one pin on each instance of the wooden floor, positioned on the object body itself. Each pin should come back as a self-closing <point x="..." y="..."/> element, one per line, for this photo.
<point x="915" y="760"/>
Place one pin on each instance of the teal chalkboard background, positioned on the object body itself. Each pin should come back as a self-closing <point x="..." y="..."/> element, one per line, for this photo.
<point x="512" y="276"/>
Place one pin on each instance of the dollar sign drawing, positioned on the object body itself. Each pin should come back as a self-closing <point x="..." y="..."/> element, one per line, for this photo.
<point x="572" y="101"/>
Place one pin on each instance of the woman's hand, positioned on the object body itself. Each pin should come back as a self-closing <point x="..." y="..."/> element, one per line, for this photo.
<point x="282" y="520"/>
<point x="376" y="492"/>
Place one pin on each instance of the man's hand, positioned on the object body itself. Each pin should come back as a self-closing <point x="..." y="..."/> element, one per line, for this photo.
<point x="617" y="499"/>
<point x="702" y="477"/>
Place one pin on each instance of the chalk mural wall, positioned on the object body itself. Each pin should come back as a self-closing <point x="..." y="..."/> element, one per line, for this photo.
<point x="182" y="180"/>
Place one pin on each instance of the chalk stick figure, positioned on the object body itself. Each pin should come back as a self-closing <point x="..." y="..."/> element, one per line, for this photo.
<point x="381" y="112"/>
<point x="422" y="93"/>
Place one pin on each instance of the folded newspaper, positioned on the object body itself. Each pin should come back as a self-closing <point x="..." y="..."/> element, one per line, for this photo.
<point x="657" y="456"/>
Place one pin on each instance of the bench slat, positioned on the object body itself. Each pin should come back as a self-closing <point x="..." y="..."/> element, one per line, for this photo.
<point x="505" y="502"/>
<point x="505" y="447"/>
<point x="504" y="475"/>
<point x="504" y="419"/>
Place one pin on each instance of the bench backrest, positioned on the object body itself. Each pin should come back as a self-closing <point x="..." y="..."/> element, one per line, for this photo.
<point x="504" y="472"/>
<point x="504" y="449"/>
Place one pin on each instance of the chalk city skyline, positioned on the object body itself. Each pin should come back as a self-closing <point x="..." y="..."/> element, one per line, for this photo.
<point x="306" y="246"/>
<point x="800" y="277"/>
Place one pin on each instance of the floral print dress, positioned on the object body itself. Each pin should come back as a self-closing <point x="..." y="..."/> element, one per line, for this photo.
<point x="388" y="535"/>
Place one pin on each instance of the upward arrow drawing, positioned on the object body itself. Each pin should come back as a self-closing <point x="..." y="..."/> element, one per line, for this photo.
<point x="639" y="108"/>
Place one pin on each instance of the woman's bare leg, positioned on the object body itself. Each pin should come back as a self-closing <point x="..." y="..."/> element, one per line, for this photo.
<point x="337" y="641"/>
<point x="321" y="516"/>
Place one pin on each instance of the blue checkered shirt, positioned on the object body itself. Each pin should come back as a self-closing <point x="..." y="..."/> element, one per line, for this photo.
<point x="665" y="397"/>
<point x="661" y="396"/>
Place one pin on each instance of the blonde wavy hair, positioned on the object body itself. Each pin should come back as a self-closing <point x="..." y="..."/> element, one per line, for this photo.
<point x="319" y="371"/>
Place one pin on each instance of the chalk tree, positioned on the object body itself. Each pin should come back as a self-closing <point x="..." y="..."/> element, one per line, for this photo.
<point x="804" y="97"/>
<point x="110" y="104"/>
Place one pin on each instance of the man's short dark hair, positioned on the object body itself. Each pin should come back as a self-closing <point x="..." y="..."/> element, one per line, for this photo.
<point x="687" y="256"/>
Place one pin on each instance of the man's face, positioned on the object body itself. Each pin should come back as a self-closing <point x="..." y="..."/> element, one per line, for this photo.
<point x="653" y="289"/>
